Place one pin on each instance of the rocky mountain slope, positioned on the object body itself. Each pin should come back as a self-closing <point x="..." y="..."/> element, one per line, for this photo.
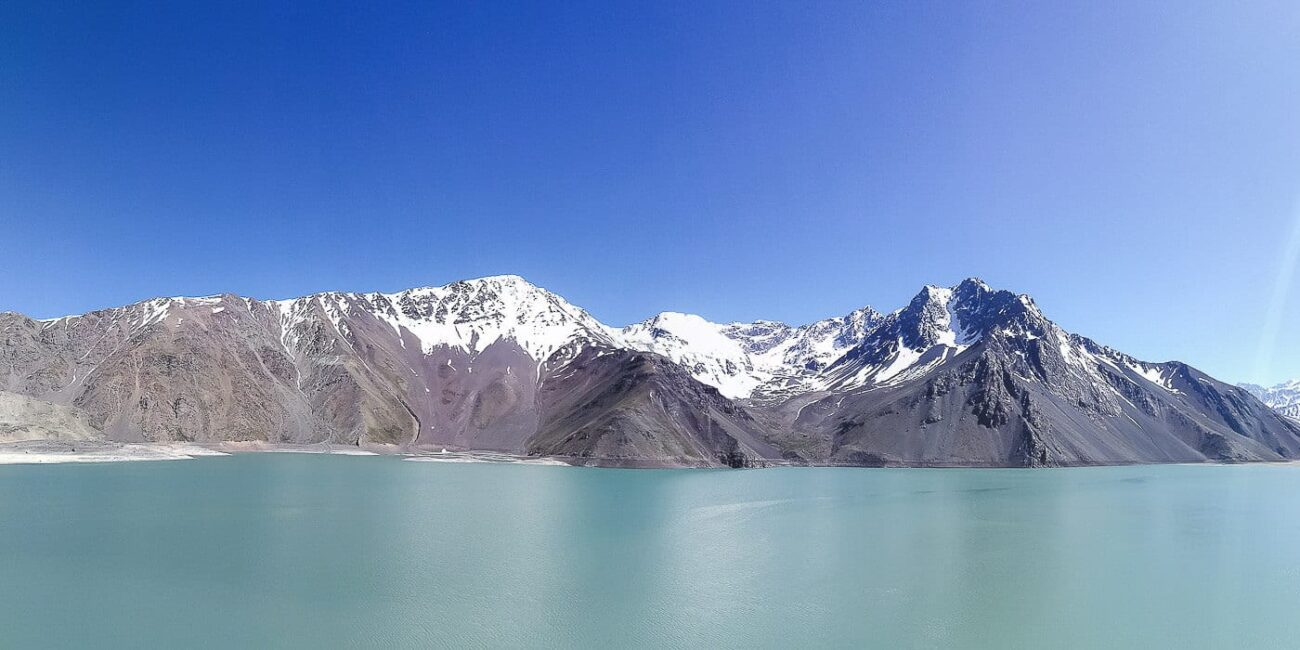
<point x="965" y="375"/>
<point x="24" y="418"/>
<point x="1284" y="397"/>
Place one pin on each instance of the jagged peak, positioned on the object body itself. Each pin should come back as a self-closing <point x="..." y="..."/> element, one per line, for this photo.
<point x="972" y="283"/>
<point x="940" y="293"/>
<point x="670" y="316"/>
<point x="933" y="292"/>
<point x="497" y="282"/>
<point x="510" y="278"/>
<point x="932" y="296"/>
<point x="493" y="282"/>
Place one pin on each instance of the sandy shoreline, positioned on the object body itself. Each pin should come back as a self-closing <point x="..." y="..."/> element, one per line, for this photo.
<point x="481" y="457"/>
<point x="319" y="448"/>
<point x="43" y="452"/>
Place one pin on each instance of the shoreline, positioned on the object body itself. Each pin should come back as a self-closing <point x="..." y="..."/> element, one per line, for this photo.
<point x="53" y="452"/>
<point x="50" y="452"/>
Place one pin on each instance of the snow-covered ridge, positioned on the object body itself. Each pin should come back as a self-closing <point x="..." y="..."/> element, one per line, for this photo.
<point x="910" y="341"/>
<point x="740" y="359"/>
<point x="1283" y="397"/>
<point x="760" y="359"/>
<point x="150" y="311"/>
<point x="702" y="347"/>
<point x="743" y="359"/>
<point x="469" y="314"/>
<point x="860" y="349"/>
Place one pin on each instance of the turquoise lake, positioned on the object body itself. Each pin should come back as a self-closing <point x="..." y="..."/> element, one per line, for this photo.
<point x="290" y="550"/>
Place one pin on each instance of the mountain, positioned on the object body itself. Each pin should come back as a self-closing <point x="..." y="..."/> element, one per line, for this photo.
<point x="1284" y="397"/>
<point x="963" y="375"/>
<point x="749" y="359"/>
<point x="974" y="376"/>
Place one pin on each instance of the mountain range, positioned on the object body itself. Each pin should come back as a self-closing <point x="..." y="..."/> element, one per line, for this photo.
<point x="1284" y="397"/>
<point x="960" y="376"/>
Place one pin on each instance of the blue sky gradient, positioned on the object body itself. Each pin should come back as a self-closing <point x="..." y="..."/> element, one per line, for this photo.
<point x="1133" y="166"/>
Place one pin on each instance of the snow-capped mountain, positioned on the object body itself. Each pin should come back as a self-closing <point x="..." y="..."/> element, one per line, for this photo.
<point x="931" y="329"/>
<point x="751" y="359"/>
<point x="1284" y="397"/>
<point x="469" y="315"/>
<point x="961" y="375"/>
<point x="766" y="359"/>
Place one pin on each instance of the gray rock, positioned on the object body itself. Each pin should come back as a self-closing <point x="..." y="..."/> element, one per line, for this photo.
<point x="960" y="376"/>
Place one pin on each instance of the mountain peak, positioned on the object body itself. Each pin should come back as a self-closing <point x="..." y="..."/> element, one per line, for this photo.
<point x="507" y="280"/>
<point x="473" y="314"/>
<point x="933" y="292"/>
<point x="969" y="288"/>
<point x="504" y="277"/>
<point x="1283" y="397"/>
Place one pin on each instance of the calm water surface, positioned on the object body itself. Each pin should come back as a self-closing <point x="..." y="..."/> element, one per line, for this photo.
<point x="279" y="550"/>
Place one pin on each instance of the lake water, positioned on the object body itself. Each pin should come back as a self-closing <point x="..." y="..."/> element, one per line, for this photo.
<point x="280" y="550"/>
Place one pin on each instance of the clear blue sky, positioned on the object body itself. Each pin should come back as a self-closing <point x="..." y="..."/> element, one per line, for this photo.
<point x="1133" y="165"/>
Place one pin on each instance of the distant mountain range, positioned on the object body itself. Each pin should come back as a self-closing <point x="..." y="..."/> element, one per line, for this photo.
<point x="1284" y="397"/>
<point x="960" y="376"/>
